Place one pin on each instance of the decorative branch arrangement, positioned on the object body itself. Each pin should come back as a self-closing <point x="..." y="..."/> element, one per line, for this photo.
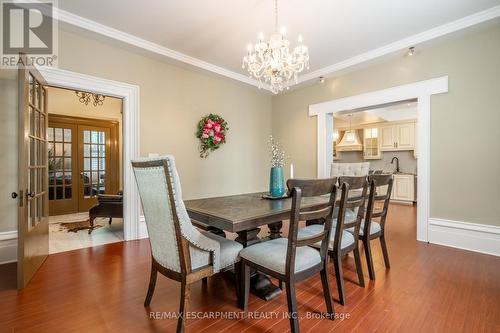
<point x="276" y="152"/>
<point x="212" y="131"/>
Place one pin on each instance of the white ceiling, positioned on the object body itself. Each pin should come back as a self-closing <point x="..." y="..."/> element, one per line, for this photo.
<point x="218" y="31"/>
<point x="402" y="111"/>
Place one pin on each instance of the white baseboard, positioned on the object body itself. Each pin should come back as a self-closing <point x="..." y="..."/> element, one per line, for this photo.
<point x="143" y="230"/>
<point x="468" y="236"/>
<point x="8" y="247"/>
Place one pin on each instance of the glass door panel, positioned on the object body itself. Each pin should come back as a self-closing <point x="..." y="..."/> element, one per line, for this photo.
<point x="62" y="163"/>
<point x="94" y="147"/>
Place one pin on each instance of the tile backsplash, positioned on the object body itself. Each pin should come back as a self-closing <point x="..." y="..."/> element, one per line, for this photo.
<point x="407" y="163"/>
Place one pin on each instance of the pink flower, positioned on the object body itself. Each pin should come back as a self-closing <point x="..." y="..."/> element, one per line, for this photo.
<point x="218" y="138"/>
<point x="208" y="125"/>
<point x="205" y="136"/>
<point x="217" y="128"/>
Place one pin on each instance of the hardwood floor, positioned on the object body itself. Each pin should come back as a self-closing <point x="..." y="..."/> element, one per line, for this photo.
<point x="429" y="288"/>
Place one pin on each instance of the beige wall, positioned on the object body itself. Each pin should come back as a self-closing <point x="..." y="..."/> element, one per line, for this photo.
<point x="465" y="123"/>
<point x="172" y="101"/>
<point x="8" y="150"/>
<point x="65" y="102"/>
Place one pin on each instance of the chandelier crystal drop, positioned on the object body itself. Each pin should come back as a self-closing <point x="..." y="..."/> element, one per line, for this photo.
<point x="272" y="63"/>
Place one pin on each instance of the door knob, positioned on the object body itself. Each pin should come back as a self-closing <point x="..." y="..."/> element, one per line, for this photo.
<point x="30" y="194"/>
<point x="14" y="195"/>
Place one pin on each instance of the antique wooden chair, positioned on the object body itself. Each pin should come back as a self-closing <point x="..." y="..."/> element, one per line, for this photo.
<point x="350" y="214"/>
<point x="179" y="250"/>
<point x="371" y="229"/>
<point x="292" y="259"/>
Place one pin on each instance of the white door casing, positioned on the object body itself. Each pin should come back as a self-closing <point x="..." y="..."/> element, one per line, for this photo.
<point x="422" y="91"/>
<point x="130" y="102"/>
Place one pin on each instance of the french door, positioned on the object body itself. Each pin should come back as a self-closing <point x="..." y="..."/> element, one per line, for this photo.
<point x="94" y="150"/>
<point x="33" y="228"/>
<point x="83" y="162"/>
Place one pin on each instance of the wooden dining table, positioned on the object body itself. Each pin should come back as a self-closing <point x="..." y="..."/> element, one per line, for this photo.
<point x="245" y="214"/>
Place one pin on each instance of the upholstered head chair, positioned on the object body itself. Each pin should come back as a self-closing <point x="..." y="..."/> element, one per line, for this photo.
<point x="349" y="169"/>
<point x="163" y="209"/>
<point x="179" y="250"/>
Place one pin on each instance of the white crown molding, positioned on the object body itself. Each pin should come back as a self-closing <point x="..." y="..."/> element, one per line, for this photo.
<point x="465" y="22"/>
<point x="84" y="23"/>
<point x="405" y="43"/>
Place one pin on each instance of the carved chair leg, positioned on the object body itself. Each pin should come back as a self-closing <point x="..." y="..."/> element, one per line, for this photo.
<point x="245" y="286"/>
<point x="359" y="268"/>
<point x="91" y="222"/>
<point x="292" y="306"/>
<point x="204" y="281"/>
<point x="152" y="284"/>
<point x="327" y="293"/>
<point x="384" y="251"/>
<point x="110" y="219"/>
<point x="339" y="276"/>
<point x="369" y="258"/>
<point x="183" y="308"/>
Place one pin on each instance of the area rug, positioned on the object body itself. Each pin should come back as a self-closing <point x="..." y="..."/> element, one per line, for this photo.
<point x="75" y="222"/>
<point x="79" y="225"/>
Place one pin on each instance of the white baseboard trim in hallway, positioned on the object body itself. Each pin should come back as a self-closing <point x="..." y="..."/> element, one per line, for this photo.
<point x="468" y="236"/>
<point x="143" y="229"/>
<point x="8" y="247"/>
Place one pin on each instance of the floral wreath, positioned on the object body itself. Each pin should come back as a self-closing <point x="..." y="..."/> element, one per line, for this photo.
<point x="211" y="132"/>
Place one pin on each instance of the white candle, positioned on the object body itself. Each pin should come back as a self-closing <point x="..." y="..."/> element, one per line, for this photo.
<point x="291" y="171"/>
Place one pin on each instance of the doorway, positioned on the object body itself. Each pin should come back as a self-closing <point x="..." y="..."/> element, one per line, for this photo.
<point x="422" y="92"/>
<point x="84" y="169"/>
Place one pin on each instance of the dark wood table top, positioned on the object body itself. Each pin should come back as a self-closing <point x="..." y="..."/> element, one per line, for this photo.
<point x="244" y="211"/>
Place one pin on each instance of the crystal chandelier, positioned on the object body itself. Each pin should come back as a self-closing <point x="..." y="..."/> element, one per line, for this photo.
<point x="272" y="63"/>
<point x="86" y="98"/>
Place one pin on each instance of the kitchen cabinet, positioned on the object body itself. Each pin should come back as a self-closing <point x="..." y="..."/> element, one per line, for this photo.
<point x="371" y="144"/>
<point x="397" y="137"/>
<point x="403" y="188"/>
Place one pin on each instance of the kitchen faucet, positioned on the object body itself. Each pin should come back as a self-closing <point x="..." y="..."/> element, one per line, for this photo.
<point x="397" y="163"/>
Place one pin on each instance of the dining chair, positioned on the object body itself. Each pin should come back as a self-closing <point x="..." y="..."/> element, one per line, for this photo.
<point x="339" y="169"/>
<point x="371" y="229"/>
<point x="179" y="250"/>
<point x="292" y="259"/>
<point x="342" y="241"/>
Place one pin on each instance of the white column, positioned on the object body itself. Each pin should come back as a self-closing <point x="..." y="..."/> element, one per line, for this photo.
<point x="423" y="165"/>
<point x="325" y="144"/>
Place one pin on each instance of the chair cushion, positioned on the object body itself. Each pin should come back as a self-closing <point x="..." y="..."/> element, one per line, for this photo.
<point x="229" y="251"/>
<point x="272" y="255"/>
<point x="347" y="237"/>
<point x="374" y="228"/>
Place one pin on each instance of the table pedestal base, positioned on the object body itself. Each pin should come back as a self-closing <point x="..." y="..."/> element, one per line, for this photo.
<point x="260" y="284"/>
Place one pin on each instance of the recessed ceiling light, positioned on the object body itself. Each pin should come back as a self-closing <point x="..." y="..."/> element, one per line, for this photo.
<point x="411" y="51"/>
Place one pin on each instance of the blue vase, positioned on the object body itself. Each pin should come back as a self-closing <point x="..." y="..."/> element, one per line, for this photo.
<point x="277" y="182"/>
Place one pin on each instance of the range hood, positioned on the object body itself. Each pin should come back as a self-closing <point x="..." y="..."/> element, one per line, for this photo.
<point x="350" y="142"/>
